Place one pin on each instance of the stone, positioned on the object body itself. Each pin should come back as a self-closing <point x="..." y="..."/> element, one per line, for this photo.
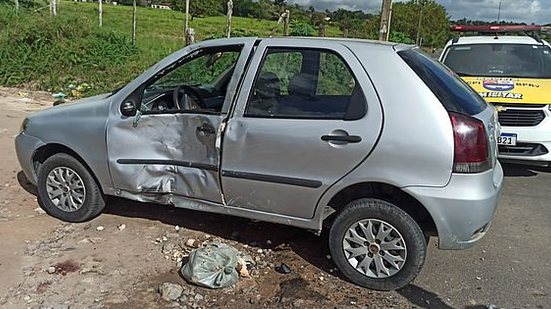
<point x="198" y="297"/>
<point x="168" y="247"/>
<point x="121" y="227"/>
<point x="299" y="303"/>
<point x="100" y="228"/>
<point x="170" y="291"/>
<point x="28" y="271"/>
<point x="51" y="270"/>
<point x="242" y="269"/>
<point x="193" y="243"/>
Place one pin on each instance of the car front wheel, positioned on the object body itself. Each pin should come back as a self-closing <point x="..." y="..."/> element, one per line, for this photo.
<point x="67" y="191"/>
<point x="377" y="245"/>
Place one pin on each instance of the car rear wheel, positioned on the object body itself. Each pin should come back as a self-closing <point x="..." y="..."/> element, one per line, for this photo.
<point x="377" y="245"/>
<point x="67" y="191"/>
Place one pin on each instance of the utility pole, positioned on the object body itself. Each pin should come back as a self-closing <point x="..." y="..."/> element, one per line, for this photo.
<point x="100" y="11"/>
<point x="286" y="22"/>
<point x="189" y="33"/>
<point x="228" y="18"/>
<point x="386" y="12"/>
<point x="53" y="7"/>
<point x="499" y="12"/>
<point x="134" y="13"/>
<point x="418" y="39"/>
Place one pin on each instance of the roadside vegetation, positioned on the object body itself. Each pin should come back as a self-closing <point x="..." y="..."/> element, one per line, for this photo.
<point x="70" y="53"/>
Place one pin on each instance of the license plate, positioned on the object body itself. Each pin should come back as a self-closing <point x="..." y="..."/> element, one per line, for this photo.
<point x="508" y="139"/>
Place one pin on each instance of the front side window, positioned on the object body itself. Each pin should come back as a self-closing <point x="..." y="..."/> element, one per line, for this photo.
<point x="500" y="60"/>
<point x="198" y="83"/>
<point x="305" y="83"/>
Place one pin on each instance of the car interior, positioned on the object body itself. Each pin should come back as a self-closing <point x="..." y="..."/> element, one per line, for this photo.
<point x="197" y="84"/>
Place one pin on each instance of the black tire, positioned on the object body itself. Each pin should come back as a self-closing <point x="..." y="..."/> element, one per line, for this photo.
<point x="93" y="202"/>
<point x="403" y="223"/>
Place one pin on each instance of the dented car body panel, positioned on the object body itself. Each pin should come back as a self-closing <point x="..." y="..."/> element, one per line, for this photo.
<point x="276" y="162"/>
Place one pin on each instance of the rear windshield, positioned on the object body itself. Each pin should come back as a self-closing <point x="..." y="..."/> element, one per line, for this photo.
<point x="454" y="93"/>
<point x="500" y="60"/>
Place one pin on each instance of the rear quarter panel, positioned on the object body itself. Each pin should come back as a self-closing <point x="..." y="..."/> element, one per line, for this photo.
<point x="416" y="144"/>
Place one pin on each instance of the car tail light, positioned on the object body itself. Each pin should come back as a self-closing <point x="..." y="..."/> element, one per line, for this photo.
<point x="471" y="153"/>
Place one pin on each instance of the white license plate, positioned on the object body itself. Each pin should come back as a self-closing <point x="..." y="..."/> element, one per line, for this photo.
<point x="508" y="139"/>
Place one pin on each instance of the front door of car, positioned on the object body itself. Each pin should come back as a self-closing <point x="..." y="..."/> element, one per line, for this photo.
<point x="303" y="120"/>
<point x="170" y="145"/>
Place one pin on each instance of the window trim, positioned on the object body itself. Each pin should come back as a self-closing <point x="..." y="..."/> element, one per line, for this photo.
<point x="283" y="49"/>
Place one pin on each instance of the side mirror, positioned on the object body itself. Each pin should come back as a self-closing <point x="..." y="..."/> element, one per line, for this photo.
<point x="128" y="108"/>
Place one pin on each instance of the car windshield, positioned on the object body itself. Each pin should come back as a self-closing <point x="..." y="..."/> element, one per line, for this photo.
<point x="500" y="60"/>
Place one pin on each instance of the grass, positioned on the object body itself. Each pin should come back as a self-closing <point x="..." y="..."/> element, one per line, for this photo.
<point x="46" y="53"/>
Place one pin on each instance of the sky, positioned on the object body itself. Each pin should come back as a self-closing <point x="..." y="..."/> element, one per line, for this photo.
<point x="528" y="11"/>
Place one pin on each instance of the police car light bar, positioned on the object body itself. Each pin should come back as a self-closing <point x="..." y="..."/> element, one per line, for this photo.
<point x="496" y="28"/>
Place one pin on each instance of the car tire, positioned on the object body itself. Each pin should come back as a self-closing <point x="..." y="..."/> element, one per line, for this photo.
<point x="400" y="248"/>
<point x="67" y="191"/>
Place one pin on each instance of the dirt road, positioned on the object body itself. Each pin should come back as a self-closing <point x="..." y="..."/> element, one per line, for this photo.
<point x="119" y="259"/>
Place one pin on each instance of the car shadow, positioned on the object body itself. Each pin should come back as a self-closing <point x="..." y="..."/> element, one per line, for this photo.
<point x="26" y="184"/>
<point x="519" y="170"/>
<point x="280" y="238"/>
<point x="422" y="298"/>
<point x="310" y="247"/>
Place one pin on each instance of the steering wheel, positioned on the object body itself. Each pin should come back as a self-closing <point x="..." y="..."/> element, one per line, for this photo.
<point x="196" y="103"/>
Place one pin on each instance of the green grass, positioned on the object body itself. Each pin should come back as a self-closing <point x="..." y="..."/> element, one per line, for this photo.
<point x="51" y="53"/>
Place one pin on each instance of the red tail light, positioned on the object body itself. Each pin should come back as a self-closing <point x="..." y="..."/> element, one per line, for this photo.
<point x="471" y="153"/>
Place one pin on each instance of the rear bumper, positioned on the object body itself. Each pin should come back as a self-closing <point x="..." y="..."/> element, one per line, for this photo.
<point x="463" y="210"/>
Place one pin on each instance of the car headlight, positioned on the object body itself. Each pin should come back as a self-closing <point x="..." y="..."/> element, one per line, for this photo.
<point x="24" y="125"/>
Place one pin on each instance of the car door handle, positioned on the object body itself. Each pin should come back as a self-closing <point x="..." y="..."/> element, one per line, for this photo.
<point x="206" y="129"/>
<point x="341" y="138"/>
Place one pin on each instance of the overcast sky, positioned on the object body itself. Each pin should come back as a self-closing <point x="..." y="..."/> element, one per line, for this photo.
<point x="529" y="11"/>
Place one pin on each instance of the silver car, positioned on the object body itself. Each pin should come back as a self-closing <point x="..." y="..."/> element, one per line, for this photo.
<point x="376" y="141"/>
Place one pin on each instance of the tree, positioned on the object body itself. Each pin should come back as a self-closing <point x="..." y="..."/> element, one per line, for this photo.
<point x="201" y="7"/>
<point x="243" y="8"/>
<point x="434" y="28"/>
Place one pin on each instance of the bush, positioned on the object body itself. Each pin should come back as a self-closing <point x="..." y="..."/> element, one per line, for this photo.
<point x="302" y="28"/>
<point x="47" y="53"/>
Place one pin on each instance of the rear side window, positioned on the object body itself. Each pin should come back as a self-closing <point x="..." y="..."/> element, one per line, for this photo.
<point x="305" y="83"/>
<point x="453" y="93"/>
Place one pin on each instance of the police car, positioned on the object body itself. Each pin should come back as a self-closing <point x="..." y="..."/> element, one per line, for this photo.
<point x="510" y="67"/>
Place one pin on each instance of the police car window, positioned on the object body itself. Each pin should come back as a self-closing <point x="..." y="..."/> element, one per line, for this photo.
<point x="500" y="60"/>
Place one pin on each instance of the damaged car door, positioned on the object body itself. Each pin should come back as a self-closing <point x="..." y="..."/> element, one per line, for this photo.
<point x="169" y="147"/>
<point x="301" y="123"/>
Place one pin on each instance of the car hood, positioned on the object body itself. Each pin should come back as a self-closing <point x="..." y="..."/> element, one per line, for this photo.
<point x="512" y="90"/>
<point x="76" y="112"/>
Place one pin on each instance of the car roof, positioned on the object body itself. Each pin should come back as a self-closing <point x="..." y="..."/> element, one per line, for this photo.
<point x="503" y="39"/>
